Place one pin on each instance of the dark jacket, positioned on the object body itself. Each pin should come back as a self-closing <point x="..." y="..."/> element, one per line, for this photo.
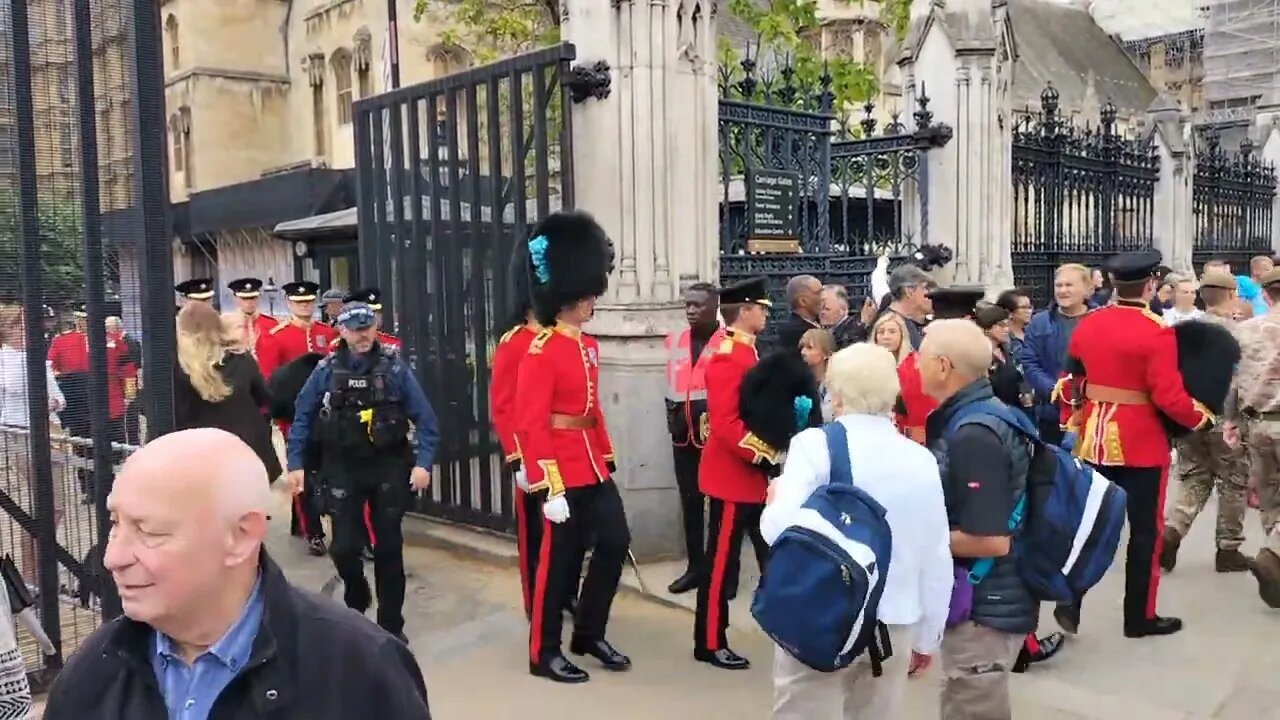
<point x="848" y="331"/>
<point x="239" y="414"/>
<point x="311" y="659"/>
<point x="1044" y="347"/>
<point x="790" y="332"/>
<point x="1002" y="600"/>
<point x="1008" y="383"/>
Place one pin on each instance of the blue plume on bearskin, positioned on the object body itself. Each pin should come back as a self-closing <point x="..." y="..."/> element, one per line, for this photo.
<point x="574" y="258"/>
<point x="285" y="384"/>
<point x="1207" y="357"/>
<point x="772" y="392"/>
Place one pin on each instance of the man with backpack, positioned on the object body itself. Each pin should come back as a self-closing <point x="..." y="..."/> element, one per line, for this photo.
<point x="984" y="465"/>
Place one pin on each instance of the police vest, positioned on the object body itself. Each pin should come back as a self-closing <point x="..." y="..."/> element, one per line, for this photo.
<point x="687" y="380"/>
<point x="363" y="411"/>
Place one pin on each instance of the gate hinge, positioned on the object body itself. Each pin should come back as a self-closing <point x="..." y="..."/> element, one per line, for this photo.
<point x="589" y="81"/>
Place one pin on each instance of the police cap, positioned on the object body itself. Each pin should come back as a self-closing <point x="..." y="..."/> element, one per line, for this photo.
<point x="1218" y="279"/>
<point x="955" y="302"/>
<point x="357" y="316"/>
<point x="195" y="288"/>
<point x="247" y="288"/>
<point x="1134" y="266"/>
<point x="333" y="295"/>
<point x="301" y="291"/>
<point x="754" y="290"/>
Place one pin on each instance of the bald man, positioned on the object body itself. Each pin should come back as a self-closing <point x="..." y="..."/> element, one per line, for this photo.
<point x="211" y="627"/>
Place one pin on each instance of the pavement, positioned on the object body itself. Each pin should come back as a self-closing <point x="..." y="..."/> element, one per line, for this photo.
<point x="467" y="628"/>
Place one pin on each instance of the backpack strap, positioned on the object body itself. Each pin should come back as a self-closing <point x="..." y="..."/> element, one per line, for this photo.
<point x="838" y="451"/>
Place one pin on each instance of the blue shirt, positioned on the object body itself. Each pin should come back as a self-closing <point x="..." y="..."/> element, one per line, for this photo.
<point x="189" y="692"/>
<point x="403" y="383"/>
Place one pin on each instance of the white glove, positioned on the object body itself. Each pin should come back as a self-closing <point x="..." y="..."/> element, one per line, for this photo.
<point x="556" y="509"/>
<point x="522" y="480"/>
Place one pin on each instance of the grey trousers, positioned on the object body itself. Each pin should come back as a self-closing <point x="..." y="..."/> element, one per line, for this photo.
<point x="801" y="693"/>
<point x="976" y="661"/>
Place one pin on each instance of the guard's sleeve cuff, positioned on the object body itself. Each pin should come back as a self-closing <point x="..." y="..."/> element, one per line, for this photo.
<point x="762" y="450"/>
<point x="1056" y="394"/>
<point x="1207" y="417"/>
<point x="551" y="481"/>
<point x="513" y="457"/>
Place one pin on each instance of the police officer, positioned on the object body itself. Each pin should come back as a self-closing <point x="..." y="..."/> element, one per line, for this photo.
<point x="360" y="401"/>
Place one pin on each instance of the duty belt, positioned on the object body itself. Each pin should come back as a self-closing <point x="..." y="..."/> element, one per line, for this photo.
<point x="572" y="422"/>
<point x="1115" y="396"/>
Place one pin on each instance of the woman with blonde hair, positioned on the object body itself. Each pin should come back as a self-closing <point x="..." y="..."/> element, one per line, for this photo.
<point x="217" y="385"/>
<point x="890" y="333"/>
<point x="816" y="348"/>
<point x="235" y="332"/>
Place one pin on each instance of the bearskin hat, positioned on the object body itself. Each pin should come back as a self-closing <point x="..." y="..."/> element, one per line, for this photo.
<point x="519" y="294"/>
<point x="569" y="258"/>
<point x="285" y="384"/>
<point x="1207" y="358"/>
<point x="772" y="401"/>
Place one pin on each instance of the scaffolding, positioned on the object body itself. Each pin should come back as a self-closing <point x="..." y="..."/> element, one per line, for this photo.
<point x="1241" y="53"/>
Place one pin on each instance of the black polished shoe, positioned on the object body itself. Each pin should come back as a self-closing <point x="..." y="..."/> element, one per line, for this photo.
<point x="1068" y="617"/>
<point x="559" y="669"/>
<point x="683" y="584"/>
<point x="601" y="650"/>
<point x="1046" y="647"/>
<point x="723" y="658"/>
<point x="316" y="547"/>
<point x="1155" y="626"/>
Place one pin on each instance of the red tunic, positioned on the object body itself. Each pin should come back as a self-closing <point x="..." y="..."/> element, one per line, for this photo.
<point x="730" y="468"/>
<point x="259" y="326"/>
<point x="559" y="427"/>
<point x="69" y="353"/>
<point x="511" y="352"/>
<point x="388" y="340"/>
<point x="288" y="341"/>
<point x="1126" y="362"/>
<point x="917" y="404"/>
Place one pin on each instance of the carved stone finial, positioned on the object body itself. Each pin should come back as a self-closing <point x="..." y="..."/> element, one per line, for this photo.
<point x="363" y="56"/>
<point x="314" y="64"/>
<point x="589" y="81"/>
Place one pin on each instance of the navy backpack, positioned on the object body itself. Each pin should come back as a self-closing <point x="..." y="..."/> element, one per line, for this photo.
<point x="1070" y="516"/>
<point x="819" y="597"/>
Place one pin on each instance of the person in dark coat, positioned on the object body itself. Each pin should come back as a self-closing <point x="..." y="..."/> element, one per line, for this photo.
<point x="207" y="602"/>
<point x="216" y="386"/>
<point x="804" y="297"/>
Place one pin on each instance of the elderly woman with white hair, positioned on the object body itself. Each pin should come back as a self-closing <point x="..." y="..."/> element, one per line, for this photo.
<point x="903" y="477"/>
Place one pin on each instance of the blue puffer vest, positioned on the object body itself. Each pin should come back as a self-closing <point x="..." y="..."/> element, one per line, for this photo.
<point x="1001" y="601"/>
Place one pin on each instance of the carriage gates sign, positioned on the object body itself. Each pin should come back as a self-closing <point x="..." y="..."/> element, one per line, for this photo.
<point x="771" y="211"/>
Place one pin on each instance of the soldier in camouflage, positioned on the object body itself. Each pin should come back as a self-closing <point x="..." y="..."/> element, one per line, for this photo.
<point x="1207" y="462"/>
<point x="1258" y="390"/>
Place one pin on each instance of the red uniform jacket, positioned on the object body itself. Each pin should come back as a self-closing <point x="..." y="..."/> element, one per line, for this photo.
<point x="730" y="468"/>
<point x="69" y="353"/>
<point x="1125" y="362"/>
<point x="511" y="352"/>
<point x="559" y="427"/>
<point x="259" y="326"/>
<point x="388" y="340"/>
<point x="288" y="341"/>
<point x="916" y="404"/>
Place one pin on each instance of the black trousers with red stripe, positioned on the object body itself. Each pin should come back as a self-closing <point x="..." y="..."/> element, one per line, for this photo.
<point x="528" y="507"/>
<point x="596" y="515"/>
<point x="1145" y="488"/>
<point x="728" y="523"/>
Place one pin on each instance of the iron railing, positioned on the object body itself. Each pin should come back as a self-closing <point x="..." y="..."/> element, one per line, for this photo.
<point x="1233" y="202"/>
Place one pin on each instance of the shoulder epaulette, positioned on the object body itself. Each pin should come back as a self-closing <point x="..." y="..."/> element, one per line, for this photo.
<point x="509" y="334"/>
<point x="535" y="347"/>
<point x="334" y="342"/>
<point x="726" y="346"/>
<point x="282" y="325"/>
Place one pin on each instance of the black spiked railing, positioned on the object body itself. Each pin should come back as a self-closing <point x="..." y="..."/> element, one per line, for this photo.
<point x="1233" y="200"/>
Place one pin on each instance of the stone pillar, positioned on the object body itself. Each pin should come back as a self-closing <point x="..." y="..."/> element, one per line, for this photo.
<point x="961" y="54"/>
<point x="1268" y="129"/>
<point x="645" y="167"/>
<point x="1173" y="213"/>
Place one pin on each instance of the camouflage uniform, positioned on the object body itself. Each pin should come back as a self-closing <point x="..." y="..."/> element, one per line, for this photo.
<point x="1205" y="463"/>
<point x="1258" y="387"/>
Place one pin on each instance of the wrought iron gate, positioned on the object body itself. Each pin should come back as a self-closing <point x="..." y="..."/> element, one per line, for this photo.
<point x="1233" y="201"/>
<point x="83" y="231"/>
<point x="451" y="172"/>
<point x="1079" y="194"/>
<point x="851" y="203"/>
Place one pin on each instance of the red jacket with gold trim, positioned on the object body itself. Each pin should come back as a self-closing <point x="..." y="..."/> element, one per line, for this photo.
<point x="557" y="385"/>
<point x="914" y="406"/>
<point x="1123" y="365"/>
<point x="288" y="341"/>
<point x="731" y="461"/>
<point x="511" y="352"/>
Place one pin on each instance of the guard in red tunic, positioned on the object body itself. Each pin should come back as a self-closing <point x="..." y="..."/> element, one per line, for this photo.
<point x="914" y="405"/>
<point x="733" y="473"/>
<point x="248" y="291"/>
<point x="1123" y="364"/>
<point x="565" y="449"/>
<point x="287" y="341"/>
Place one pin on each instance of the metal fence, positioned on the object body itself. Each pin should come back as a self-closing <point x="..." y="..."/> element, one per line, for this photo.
<point x="83" y="216"/>
<point x="1233" y="201"/>
<point x="1079" y="194"/>
<point x="848" y="189"/>
<point x="450" y="173"/>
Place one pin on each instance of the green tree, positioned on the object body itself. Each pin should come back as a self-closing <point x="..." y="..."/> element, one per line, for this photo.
<point x="61" y="251"/>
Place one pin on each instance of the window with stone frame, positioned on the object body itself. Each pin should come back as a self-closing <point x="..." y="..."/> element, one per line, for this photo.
<point x="340" y="62"/>
<point x="365" y="80"/>
<point x="188" y="152"/>
<point x="171" y="40"/>
<point x="318" y="115"/>
<point x="176" y="139"/>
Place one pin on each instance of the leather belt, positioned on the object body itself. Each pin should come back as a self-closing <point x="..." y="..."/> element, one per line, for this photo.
<point x="1116" y="396"/>
<point x="572" y="422"/>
